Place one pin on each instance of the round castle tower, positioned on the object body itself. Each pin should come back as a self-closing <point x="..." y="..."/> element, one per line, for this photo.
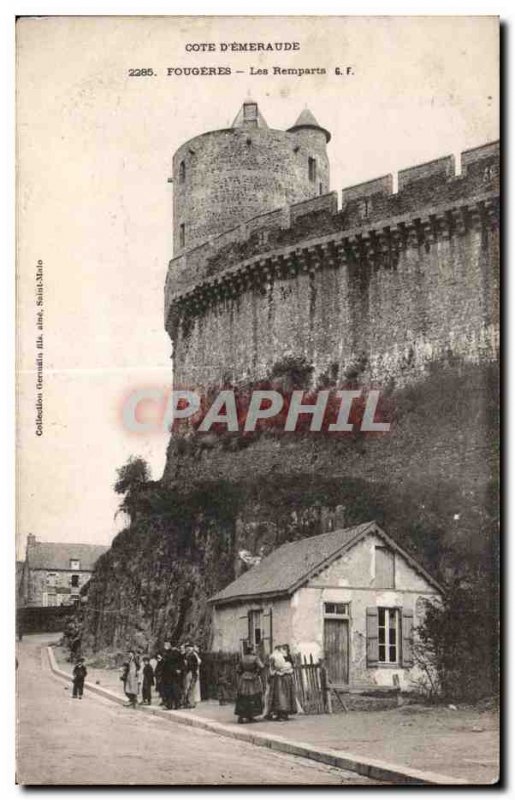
<point x="222" y="178"/>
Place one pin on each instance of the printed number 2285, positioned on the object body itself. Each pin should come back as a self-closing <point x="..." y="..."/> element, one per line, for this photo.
<point x="140" y="73"/>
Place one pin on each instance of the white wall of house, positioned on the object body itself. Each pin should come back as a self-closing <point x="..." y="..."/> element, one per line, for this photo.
<point x="352" y="579"/>
<point x="355" y="579"/>
<point x="231" y="626"/>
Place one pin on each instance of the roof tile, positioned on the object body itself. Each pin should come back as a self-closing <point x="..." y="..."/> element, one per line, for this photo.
<point x="280" y="571"/>
<point x="57" y="555"/>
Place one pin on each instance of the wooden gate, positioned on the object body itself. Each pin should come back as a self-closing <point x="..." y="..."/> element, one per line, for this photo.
<point x="336" y="650"/>
<point x="310" y="685"/>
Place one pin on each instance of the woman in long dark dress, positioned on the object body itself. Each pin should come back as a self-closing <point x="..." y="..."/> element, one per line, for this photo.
<point x="281" y="699"/>
<point x="249" y="697"/>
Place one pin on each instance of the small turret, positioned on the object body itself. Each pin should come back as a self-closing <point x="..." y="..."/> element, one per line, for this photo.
<point x="311" y="141"/>
<point x="307" y="120"/>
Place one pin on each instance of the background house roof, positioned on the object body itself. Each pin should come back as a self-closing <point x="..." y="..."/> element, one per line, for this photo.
<point x="285" y="567"/>
<point x="57" y="555"/>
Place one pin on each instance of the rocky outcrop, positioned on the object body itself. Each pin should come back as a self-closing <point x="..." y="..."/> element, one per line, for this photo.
<point x="431" y="482"/>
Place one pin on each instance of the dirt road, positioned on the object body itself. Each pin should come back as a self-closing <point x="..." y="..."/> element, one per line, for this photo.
<point x="93" y="741"/>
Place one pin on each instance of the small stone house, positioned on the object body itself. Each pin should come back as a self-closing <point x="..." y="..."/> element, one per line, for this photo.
<point x="55" y="572"/>
<point x="352" y="597"/>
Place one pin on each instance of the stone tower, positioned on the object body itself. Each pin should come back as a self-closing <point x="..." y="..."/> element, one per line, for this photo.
<point x="224" y="177"/>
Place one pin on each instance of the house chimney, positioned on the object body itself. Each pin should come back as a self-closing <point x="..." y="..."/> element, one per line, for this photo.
<point x="31" y="540"/>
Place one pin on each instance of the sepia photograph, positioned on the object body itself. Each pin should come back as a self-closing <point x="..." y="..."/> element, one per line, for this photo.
<point x="257" y="386"/>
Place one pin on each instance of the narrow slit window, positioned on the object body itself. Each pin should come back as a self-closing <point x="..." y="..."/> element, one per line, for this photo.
<point x="182" y="234"/>
<point x="312" y="169"/>
<point x="182" y="172"/>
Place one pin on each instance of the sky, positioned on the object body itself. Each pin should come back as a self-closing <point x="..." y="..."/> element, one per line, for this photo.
<point x="94" y="152"/>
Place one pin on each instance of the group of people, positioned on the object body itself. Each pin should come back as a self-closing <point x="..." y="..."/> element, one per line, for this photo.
<point x="174" y="674"/>
<point x="277" y="700"/>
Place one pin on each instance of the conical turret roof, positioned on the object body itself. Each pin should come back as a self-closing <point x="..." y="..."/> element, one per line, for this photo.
<point x="307" y="119"/>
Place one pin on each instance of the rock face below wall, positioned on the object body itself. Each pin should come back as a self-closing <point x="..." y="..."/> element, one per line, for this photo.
<point x="432" y="482"/>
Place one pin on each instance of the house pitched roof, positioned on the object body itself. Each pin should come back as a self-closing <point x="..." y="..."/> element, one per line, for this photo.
<point x="57" y="555"/>
<point x="292" y="564"/>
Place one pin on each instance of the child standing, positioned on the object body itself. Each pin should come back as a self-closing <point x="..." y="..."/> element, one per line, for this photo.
<point x="79" y="675"/>
<point x="148" y="681"/>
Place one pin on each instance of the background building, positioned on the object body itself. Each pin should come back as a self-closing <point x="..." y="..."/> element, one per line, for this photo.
<point x="55" y="572"/>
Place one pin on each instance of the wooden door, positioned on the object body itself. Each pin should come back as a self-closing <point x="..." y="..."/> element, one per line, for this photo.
<point x="336" y="649"/>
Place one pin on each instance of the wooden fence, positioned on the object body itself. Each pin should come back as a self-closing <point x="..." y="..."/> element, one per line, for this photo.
<point x="310" y="685"/>
<point x="218" y="676"/>
<point x="218" y="680"/>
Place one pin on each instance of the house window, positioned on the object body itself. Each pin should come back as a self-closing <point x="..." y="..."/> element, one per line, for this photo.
<point x="74" y="563"/>
<point x="255" y="628"/>
<point x="312" y="169"/>
<point x="336" y="609"/>
<point x="182" y="172"/>
<point x="75" y="580"/>
<point x="388" y="635"/>
<point x="182" y="235"/>
<point x="384" y="568"/>
<point x="51" y="578"/>
<point x="52" y="600"/>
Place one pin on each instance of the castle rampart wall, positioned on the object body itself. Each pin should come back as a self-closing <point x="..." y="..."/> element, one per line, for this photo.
<point x="366" y="204"/>
<point x="362" y="291"/>
<point x="441" y="166"/>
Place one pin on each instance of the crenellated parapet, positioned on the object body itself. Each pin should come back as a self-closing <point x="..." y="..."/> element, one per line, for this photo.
<point x="384" y="287"/>
<point x="374" y="223"/>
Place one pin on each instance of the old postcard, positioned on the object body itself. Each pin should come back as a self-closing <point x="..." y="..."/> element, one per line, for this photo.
<point x="257" y="375"/>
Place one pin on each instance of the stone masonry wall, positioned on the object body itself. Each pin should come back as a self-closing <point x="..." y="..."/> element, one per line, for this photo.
<point x="386" y="295"/>
<point x="436" y="302"/>
<point x="232" y="175"/>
